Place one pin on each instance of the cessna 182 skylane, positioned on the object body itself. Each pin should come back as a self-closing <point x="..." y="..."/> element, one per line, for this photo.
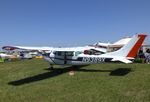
<point x="89" y="55"/>
<point x="79" y="57"/>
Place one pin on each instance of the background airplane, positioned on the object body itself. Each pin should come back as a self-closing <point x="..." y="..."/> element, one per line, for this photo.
<point x="112" y="46"/>
<point x="7" y="56"/>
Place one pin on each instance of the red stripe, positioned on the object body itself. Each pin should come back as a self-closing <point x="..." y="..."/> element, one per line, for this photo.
<point x="137" y="46"/>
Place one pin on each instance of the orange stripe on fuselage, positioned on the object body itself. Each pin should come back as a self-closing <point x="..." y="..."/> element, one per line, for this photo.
<point x="137" y="46"/>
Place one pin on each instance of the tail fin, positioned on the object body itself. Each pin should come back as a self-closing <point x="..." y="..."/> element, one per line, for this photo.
<point x="131" y="48"/>
<point x="136" y="47"/>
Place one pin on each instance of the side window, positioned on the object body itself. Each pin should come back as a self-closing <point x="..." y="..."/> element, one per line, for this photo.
<point x="77" y="53"/>
<point x="69" y="53"/>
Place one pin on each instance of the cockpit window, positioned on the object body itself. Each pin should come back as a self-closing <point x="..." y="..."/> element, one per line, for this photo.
<point x="60" y="53"/>
<point x="69" y="53"/>
<point x="63" y="53"/>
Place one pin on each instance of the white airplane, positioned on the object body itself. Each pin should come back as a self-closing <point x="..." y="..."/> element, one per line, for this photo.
<point x="7" y="56"/>
<point x="89" y="55"/>
<point x="120" y="43"/>
<point x="84" y="57"/>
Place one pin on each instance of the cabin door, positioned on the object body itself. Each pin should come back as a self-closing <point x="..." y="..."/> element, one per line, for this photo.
<point x="65" y="57"/>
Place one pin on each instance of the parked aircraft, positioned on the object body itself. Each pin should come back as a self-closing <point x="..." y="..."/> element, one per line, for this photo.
<point x="7" y="56"/>
<point x="112" y="46"/>
<point x="89" y="55"/>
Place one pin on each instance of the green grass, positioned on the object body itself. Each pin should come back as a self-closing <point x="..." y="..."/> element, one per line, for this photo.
<point x="30" y="81"/>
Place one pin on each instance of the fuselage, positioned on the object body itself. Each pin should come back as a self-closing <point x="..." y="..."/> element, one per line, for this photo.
<point x="75" y="58"/>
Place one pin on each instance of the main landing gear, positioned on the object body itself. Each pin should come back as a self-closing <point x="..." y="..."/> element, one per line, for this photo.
<point x="51" y="67"/>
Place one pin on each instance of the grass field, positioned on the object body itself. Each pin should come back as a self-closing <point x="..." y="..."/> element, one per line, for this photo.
<point x="31" y="81"/>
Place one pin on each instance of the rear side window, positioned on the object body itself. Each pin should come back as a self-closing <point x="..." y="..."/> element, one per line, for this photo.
<point x="77" y="53"/>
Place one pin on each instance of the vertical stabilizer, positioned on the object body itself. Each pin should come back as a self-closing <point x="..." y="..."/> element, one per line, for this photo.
<point x="131" y="48"/>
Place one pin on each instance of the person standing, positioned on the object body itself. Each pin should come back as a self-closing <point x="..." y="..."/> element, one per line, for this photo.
<point x="147" y="56"/>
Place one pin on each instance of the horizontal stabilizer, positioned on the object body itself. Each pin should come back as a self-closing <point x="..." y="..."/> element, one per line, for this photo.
<point x="124" y="60"/>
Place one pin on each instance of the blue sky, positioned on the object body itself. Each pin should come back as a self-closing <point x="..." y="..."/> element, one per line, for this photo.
<point x="71" y="22"/>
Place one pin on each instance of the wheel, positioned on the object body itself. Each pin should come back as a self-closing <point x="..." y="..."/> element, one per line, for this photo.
<point x="51" y="67"/>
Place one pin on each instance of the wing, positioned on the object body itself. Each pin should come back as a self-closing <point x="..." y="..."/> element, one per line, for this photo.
<point x="27" y="48"/>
